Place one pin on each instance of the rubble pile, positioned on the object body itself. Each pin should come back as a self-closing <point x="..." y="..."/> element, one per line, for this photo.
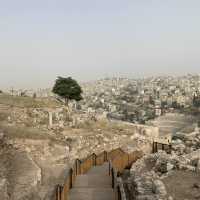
<point x="37" y="117"/>
<point x="37" y="165"/>
<point x="107" y="136"/>
<point x="29" y="169"/>
<point x="147" y="180"/>
<point x="186" y="143"/>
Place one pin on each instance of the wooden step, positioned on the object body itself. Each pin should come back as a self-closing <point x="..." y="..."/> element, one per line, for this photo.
<point x="95" y="185"/>
<point x="91" y="194"/>
<point x="93" y="181"/>
<point x="102" y="169"/>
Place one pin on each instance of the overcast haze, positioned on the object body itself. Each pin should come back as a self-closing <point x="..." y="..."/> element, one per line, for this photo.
<point x="90" y="39"/>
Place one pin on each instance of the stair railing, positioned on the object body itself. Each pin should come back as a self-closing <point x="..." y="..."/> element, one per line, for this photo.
<point x="118" y="161"/>
<point x="160" y="146"/>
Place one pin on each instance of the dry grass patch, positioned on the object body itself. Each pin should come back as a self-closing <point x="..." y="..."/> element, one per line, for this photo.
<point x="27" y="102"/>
<point x="23" y="132"/>
<point x="106" y="125"/>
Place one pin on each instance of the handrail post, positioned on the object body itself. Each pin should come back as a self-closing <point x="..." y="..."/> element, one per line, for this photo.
<point x="58" y="192"/>
<point x="153" y="147"/>
<point x="71" y="178"/>
<point x="156" y="147"/>
<point x="76" y="167"/>
<point x="94" y="159"/>
<point x="128" y="160"/>
<point x="119" y="197"/>
<point x="105" y="156"/>
<point x="109" y="168"/>
<point x="113" y="178"/>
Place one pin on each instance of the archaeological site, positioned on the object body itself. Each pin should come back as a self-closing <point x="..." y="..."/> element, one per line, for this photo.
<point x="99" y="100"/>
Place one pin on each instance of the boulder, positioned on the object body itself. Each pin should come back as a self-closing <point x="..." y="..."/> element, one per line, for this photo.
<point x="159" y="188"/>
<point x="169" y="166"/>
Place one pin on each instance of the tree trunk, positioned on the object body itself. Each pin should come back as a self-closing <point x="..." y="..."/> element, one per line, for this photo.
<point x="67" y="102"/>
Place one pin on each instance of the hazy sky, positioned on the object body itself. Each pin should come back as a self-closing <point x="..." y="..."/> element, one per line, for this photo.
<point x="89" y="39"/>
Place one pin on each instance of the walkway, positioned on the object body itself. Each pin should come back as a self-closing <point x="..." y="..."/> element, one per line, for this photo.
<point x="95" y="185"/>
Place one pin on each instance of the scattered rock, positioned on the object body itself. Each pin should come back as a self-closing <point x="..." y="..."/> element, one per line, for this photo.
<point x="196" y="185"/>
<point x="160" y="188"/>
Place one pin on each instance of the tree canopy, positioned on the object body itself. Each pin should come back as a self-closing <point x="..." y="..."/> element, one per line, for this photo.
<point x="68" y="89"/>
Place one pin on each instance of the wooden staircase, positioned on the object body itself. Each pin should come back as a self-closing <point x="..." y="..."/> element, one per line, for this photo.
<point x="95" y="185"/>
<point x="96" y="177"/>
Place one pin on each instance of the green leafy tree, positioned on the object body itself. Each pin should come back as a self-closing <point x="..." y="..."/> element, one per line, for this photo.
<point x="68" y="89"/>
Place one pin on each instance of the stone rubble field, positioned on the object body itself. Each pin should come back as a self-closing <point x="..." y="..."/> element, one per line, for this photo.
<point x="38" y="145"/>
<point x="35" y="161"/>
<point x="161" y="176"/>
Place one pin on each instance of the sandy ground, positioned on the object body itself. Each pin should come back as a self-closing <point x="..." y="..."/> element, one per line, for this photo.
<point x="173" y="122"/>
<point x="183" y="185"/>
